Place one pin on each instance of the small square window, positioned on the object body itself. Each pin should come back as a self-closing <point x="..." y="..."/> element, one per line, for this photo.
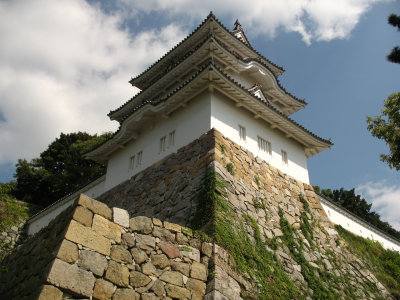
<point x="139" y="158"/>
<point x="171" y="139"/>
<point x="284" y="157"/>
<point x="264" y="145"/>
<point x="242" y="133"/>
<point x="162" y="144"/>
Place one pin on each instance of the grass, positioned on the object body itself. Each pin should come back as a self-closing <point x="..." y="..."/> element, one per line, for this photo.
<point x="12" y="213"/>
<point x="385" y="264"/>
<point x="249" y="253"/>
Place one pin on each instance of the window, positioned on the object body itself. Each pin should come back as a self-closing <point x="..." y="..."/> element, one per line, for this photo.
<point x="242" y="133"/>
<point x="284" y="157"/>
<point x="162" y="144"/>
<point x="264" y="145"/>
<point x="131" y="162"/>
<point x="139" y="158"/>
<point x="171" y="139"/>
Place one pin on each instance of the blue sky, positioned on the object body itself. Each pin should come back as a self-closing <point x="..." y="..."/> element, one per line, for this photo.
<point x="65" y="64"/>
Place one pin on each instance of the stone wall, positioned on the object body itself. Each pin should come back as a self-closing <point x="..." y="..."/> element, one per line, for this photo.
<point x="257" y="190"/>
<point x="143" y="249"/>
<point x="104" y="254"/>
<point x="168" y="189"/>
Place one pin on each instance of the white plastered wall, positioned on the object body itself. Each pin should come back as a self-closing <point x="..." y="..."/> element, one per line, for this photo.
<point x="189" y="123"/>
<point x="226" y="118"/>
<point x="353" y="224"/>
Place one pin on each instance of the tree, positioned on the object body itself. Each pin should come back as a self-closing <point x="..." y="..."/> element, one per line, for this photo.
<point x="387" y="127"/>
<point x="359" y="206"/>
<point x="394" y="55"/>
<point x="60" y="169"/>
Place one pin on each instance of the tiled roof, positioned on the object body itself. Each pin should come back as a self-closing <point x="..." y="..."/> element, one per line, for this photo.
<point x="211" y="16"/>
<point x="190" y="52"/>
<point x="210" y="65"/>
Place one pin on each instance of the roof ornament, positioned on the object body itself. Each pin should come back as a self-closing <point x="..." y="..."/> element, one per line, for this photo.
<point x="238" y="26"/>
<point x="239" y="32"/>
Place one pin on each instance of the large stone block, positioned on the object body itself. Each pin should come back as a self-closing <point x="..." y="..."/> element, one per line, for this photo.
<point x="83" y="216"/>
<point x="120" y="254"/>
<point x="173" y="277"/>
<point x="117" y="274"/>
<point x="103" y="289"/>
<point x="68" y="252"/>
<point x="125" y="294"/>
<point x="71" y="278"/>
<point x="174" y="291"/>
<point x="121" y="217"/>
<point x="138" y="279"/>
<point x="107" y="228"/>
<point x="85" y="236"/>
<point x="141" y="224"/>
<point x="95" y="206"/>
<point x="92" y="261"/>
<point x="198" y="271"/>
<point x="49" y="292"/>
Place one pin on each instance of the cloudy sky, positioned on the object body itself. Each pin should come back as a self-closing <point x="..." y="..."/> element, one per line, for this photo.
<point x="65" y="64"/>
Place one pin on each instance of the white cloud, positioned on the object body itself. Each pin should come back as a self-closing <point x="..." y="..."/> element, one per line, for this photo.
<point x="63" y="65"/>
<point x="385" y="199"/>
<point x="320" y="20"/>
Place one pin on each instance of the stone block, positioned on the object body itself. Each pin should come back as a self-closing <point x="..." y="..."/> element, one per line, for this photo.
<point x="190" y="252"/>
<point x="117" y="274"/>
<point x="160" y="260"/>
<point x="149" y="296"/>
<point x="107" y="228"/>
<point x="83" y="216"/>
<point x="158" y="288"/>
<point x="92" y="261"/>
<point x="170" y="249"/>
<point x="120" y="254"/>
<point x="157" y="222"/>
<point x="182" y="267"/>
<point x="138" y="279"/>
<point x="145" y="241"/>
<point x="177" y="292"/>
<point x="85" y="236"/>
<point x="71" y="278"/>
<point x="196" y="286"/>
<point x="125" y="294"/>
<point x="128" y="239"/>
<point x="139" y="255"/>
<point x="172" y="227"/>
<point x="49" y="292"/>
<point x="173" y="277"/>
<point x="141" y="224"/>
<point x="121" y="217"/>
<point x="95" y="206"/>
<point x="207" y="248"/>
<point x="149" y="269"/>
<point x="103" y="289"/>
<point x="68" y="252"/>
<point x="198" y="271"/>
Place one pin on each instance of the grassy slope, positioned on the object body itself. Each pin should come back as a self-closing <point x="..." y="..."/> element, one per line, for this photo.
<point x="385" y="264"/>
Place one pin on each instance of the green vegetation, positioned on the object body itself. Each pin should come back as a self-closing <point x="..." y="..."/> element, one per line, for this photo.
<point x="12" y="213"/>
<point x="231" y="168"/>
<point x="250" y="256"/>
<point x="258" y="203"/>
<point x="59" y="170"/>
<point x="394" y="55"/>
<point x="384" y="263"/>
<point x="315" y="282"/>
<point x="386" y="127"/>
